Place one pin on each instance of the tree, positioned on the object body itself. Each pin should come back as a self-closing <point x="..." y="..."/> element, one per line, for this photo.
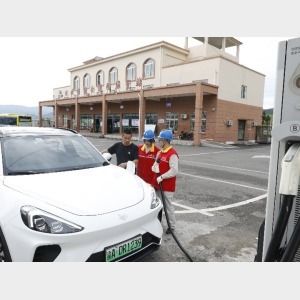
<point x="266" y="119"/>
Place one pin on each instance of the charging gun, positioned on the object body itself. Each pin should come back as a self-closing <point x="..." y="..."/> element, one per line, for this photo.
<point x="156" y="170"/>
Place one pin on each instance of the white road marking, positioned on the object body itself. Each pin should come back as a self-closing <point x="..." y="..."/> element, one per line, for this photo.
<point x="237" y="204"/>
<point x="222" y="181"/>
<point x="224" y="167"/>
<point x="216" y="152"/>
<point x="181" y="155"/>
<point x="190" y="210"/>
<point x="261" y="156"/>
<point x="206" y="211"/>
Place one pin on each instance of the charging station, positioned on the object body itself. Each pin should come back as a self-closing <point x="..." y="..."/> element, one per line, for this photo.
<point x="283" y="196"/>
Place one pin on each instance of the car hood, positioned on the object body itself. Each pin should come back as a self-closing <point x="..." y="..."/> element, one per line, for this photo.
<point x="82" y="192"/>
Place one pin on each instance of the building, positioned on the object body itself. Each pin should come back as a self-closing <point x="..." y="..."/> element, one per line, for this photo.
<point x="202" y="89"/>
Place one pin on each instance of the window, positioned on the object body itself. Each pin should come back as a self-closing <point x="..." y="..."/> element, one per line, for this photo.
<point x="87" y="81"/>
<point x="149" y="68"/>
<point x="100" y="78"/>
<point x="131" y="72"/>
<point x="65" y="121"/>
<point x="203" y="122"/>
<point x="131" y="121"/>
<point x="244" y="91"/>
<point x="151" y="118"/>
<point x="86" y="121"/>
<point x="172" y="121"/>
<point x="113" y="76"/>
<point x="76" y="83"/>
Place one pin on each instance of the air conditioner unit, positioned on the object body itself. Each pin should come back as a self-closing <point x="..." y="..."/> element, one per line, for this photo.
<point x="229" y="122"/>
<point x="254" y="124"/>
<point x="184" y="116"/>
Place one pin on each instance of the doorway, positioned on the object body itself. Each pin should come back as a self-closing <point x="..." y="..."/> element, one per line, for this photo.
<point x="113" y="123"/>
<point x="98" y="123"/>
<point x="241" y="130"/>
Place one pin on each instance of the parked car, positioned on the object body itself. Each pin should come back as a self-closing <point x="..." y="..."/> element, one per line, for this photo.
<point x="61" y="200"/>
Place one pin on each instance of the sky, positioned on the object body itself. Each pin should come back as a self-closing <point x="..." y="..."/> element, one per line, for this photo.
<point x="32" y="66"/>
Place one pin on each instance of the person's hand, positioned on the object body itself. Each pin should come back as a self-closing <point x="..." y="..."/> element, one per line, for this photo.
<point x="155" y="168"/>
<point x="123" y="165"/>
<point x="159" y="179"/>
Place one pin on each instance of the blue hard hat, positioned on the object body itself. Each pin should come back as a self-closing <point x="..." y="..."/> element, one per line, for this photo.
<point x="148" y="135"/>
<point x="166" y="134"/>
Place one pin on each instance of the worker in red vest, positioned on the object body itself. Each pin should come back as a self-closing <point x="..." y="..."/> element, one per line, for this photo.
<point x="147" y="154"/>
<point x="166" y="168"/>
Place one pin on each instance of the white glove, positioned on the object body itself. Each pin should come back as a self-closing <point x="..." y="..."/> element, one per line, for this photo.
<point x="155" y="168"/>
<point x="159" y="179"/>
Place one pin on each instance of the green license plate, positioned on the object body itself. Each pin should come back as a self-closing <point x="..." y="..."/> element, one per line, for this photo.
<point x="122" y="249"/>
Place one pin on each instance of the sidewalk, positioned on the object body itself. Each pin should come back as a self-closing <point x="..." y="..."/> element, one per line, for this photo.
<point x="134" y="138"/>
<point x="116" y="136"/>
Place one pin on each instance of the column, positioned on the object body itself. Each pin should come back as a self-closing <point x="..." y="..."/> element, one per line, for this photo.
<point x="40" y="116"/>
<point x="198" y="114"/>
<point x="238" y="52"/>
<point x="56" y="114"/>
<point x="121" y="121"/>
<point x="223" y="43"/>
<point x="142" y="107"/>
<point x="77" y="115"/>
<point x="104" y="115"/>
<point x="186" y="45"/>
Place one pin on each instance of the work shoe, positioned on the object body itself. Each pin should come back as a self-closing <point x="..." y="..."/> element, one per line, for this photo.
<point x="168" y="231"/>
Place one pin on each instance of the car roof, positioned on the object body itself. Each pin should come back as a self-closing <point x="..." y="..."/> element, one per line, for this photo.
<point x="31" y="130"/>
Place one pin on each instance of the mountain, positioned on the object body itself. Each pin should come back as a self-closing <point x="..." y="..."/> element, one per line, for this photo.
<point x="27" y="110"/>
<point x="268" y="111"/>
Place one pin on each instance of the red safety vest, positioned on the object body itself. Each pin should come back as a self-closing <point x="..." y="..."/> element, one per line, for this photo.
<point x="169" y="184"/>
<point x="146" y="161"/>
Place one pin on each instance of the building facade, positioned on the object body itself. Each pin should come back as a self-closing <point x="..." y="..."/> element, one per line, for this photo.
<point x="201" y="89"/>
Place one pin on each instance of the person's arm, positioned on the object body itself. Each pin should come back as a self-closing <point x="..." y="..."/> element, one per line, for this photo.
<point x="155" y="166"/>
<point x="136" y="156"/>
<point x="111" y="149"/>
<point x="173" y="163"/>
<point x="136" y="161"/>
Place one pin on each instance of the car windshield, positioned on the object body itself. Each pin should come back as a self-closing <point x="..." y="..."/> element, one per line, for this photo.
<point x="46" y="154"/>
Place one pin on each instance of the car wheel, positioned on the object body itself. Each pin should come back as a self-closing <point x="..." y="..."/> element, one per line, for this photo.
<point x="4" y="253"/>
<point x="261" y="232"/>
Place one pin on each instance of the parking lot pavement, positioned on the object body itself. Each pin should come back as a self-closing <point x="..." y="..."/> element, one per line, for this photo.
<point x="219" y="203"/>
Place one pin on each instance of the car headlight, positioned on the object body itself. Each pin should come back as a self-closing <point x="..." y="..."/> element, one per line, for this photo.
<point x="42" y="221"/>
<point x="154" y="199"/>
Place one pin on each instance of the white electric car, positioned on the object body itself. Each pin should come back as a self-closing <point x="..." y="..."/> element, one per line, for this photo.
<point x="61" y="200"/>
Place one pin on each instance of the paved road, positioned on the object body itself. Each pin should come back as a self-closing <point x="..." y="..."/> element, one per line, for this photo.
<point x="220" y="203"/>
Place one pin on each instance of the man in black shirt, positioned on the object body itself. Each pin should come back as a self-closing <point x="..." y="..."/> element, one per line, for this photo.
<point x="124" y="150"/>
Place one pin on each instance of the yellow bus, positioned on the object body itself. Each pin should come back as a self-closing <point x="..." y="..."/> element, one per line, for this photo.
<point x="15" y="120"/>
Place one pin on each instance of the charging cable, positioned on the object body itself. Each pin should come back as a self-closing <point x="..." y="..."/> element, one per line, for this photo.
<point x="156" y="170"/>
<point x="288" y="188"/>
